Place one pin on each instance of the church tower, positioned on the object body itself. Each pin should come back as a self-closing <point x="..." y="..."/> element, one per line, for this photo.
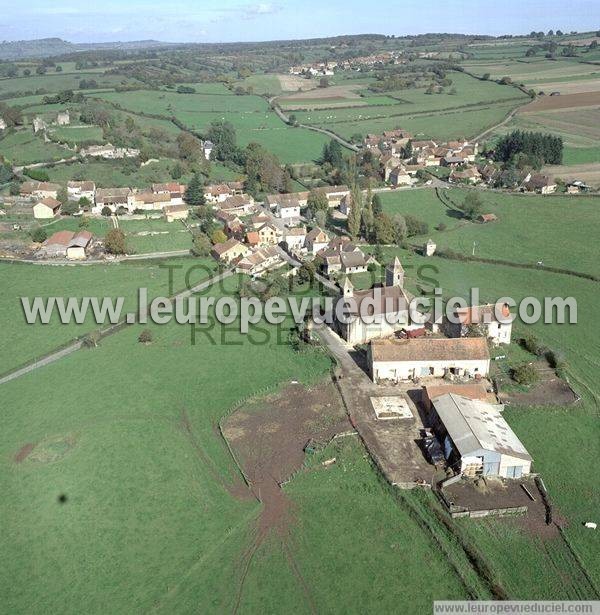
<point x="394" y="274"/>
<point x="348" y="288"/>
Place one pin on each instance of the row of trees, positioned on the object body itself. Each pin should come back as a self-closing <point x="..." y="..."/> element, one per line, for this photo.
<point x="546" y="148"/>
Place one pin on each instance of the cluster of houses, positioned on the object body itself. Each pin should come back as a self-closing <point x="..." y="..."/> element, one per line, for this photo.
<point x="402" y="157"/>
<point x="326" y="67"/>
<point x="166" y="198"/>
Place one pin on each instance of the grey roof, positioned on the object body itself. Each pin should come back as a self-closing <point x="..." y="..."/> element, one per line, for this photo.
<point x="475" y="425"/>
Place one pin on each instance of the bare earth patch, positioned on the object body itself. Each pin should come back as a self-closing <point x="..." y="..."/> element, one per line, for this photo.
<point x="568" y="87"/>
<point x="23" y="452"/>
<point x="292" y="83"/>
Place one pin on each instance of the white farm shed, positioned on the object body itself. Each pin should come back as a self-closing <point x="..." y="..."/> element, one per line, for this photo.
<point x="405" y="359"/>
<point x="476" y="438"/>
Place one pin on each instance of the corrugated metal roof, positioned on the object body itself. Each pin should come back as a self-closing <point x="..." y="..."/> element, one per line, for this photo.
<point x="474" y="425"/>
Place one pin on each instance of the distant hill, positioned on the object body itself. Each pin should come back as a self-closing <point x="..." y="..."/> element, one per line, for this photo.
<point x="46" y="47"/>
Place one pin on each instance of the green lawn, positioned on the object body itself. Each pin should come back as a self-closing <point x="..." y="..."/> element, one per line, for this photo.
<point x="581" y="155"/>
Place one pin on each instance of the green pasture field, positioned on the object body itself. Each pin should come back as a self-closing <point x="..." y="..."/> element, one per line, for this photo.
<point x="77" y="134"/>
<point x="56" y="82"/>
<point x="24" y="147"/>
<point x="250" y="115"/>
<point x="97" y="226"/>
<point x="532" y="70"/>
<point x="581" y="155"/>
<point x="442" y="125"/>
<point x="174" y="512"/>
<point x="529" y="228"/>
<point x="23" y="342"/>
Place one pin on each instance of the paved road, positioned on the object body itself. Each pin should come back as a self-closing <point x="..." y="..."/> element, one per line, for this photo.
<point x="77" y="345"/>
<point x="284" y="118"/>
<point x="392" y="444"/>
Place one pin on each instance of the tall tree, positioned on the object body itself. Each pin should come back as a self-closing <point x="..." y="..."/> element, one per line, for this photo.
<point x="194" y="193"/>
<point x="355" y="214"/>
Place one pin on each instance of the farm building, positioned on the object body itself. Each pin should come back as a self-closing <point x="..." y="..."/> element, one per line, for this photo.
<point x="539" y="183"/>
<point x="150" y="200"/>
<point x="397" y="360"/>
<point x="399" y="176"/>
<point x="484" y="317"/>
<point x="46" y="208"/>
<point x="476" y="438"/>
<point x="472" y="390"/>
<point x="39" y="190"/>
<point x="112" y="198"/>
<point x="63" y="118"/>
<point x="176" y="212"/>
<point x="334" y="194"/>
<point x="173" y="189"/>
<point x="485" y="218"/>
<point x="84" y="189"/>
<point x="67" y="244"/>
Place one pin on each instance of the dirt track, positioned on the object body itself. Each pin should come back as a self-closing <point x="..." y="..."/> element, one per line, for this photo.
<point x="268" y="438"/>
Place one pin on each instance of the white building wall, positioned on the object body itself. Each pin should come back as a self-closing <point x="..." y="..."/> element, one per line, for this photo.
<point x="406" y="370"/>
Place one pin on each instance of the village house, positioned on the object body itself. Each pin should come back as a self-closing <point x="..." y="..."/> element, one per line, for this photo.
<point x="38" y="124"/>
<point x="316" y="240"/>
<point x="288" y="210"/>
<point x="387" y="304"/>
<point x="273" y="200"/>
<point x="399" y="176"/>
<point x="334" y="194"/>
<point x="207" y="148"/>
<point x="476" y="439"/>
<point x="113" y="198"/>
<point x="217" y="193"/>
<point x="39" y="190"/>
<point x="259" y="219"/>
<point x="295" y="238"/>
<point x="259" y="261"/>
<point x="576" y="187"/>
<point x="407" y="359"/>
<point x="346" y="204"/>
<point x="46" y="208"/>
<point x="539" y="183"/>
<point x="234" y="227"/>
<point x="239" y="204"/>
<point x="3" y="124"/>
<point x="176" y="212"/>
<point x="269" y="235"/>
<point x="81" y="189"/>
<point x="481" y="318"/>
<point x="470" y="175"/>
<point x="63" y="119"/>
<point x="252" y="239"/>
<point x="149" y="201"/>
<point x="229" y="250"/>
<point x="173" y="189"/>
<point x="67" y="244"/>
<point x="346" y="262"/>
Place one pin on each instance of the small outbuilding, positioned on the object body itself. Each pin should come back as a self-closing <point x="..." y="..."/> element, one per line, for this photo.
<point x="46" y="208"/>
